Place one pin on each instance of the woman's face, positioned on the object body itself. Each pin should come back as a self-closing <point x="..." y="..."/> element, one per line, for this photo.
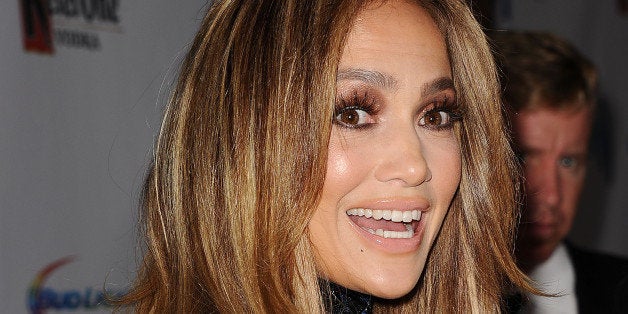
<point x="394" y="160"/>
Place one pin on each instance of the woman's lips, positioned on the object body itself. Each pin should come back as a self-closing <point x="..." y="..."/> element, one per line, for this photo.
<point x="386" y="223"/>
<point x="395" y="231"/>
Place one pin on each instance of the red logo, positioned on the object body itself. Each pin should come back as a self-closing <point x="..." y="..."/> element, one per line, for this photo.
<point x="36" y="26"/>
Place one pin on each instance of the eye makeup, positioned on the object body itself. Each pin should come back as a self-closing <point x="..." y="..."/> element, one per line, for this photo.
<point x="355" y="110"/>
<point x="360" y="111"/>
<point x="440" y="114"/>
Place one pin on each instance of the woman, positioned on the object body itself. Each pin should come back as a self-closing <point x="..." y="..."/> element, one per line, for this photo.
<point x="330" y="156"/>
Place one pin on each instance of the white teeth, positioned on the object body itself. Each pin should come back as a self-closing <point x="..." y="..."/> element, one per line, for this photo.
<point x="377" y="214"/>
<point x="416" y="215"/>
<point x="391" y="215"/>
<point x="407" y="216"/>
<point x="409" y="233"/>
<point x="386" y="214"/>
<point x="397" y="216"/>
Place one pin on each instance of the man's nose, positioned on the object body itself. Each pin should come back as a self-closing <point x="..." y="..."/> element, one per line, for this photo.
<point x="546" y="184"/>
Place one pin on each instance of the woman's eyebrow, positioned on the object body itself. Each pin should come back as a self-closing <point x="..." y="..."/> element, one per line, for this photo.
<point x="371" y="77"/>
<point x="437" y="85"/>
<point x="386" y="81"/>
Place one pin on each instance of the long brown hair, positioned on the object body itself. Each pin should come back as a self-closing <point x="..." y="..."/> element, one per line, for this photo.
<point x="241" y="158"/>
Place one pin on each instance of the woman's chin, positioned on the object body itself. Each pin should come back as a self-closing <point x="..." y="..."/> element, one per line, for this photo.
<point x="392" y="290"/>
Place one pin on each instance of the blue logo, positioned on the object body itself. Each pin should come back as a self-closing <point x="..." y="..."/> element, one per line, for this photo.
<point x="42" y="298"/>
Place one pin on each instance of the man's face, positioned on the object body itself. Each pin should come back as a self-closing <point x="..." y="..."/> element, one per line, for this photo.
<point x="554" y="148"/>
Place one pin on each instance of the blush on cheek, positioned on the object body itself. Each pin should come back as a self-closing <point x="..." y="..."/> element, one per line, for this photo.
<point x="338" y="165"/>
<point x="338" y="158"/>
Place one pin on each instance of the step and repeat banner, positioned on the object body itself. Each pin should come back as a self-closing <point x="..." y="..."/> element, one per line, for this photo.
<point x="83" y="84"/>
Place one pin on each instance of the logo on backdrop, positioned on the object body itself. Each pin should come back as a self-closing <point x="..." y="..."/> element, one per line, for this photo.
<point x="36" y="30"/>
<point x="68" y="23"/>
<point x="41" y="298"/>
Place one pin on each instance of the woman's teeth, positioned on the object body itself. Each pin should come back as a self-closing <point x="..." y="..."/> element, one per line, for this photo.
<point x="409" y="233"/>
<point x="392" y="215"/>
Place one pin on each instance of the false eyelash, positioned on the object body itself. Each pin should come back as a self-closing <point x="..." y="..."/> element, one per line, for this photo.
<point x="446" y="104"/>
<point x="356" y="101"/>
<point x="455" y="114"/>
<point x="451" y="108"/>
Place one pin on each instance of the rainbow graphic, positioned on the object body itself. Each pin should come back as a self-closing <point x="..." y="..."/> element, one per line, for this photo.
<point x="37" y="284"/>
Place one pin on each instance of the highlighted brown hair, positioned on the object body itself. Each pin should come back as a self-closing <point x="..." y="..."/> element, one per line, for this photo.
<point x="241" y="158"/>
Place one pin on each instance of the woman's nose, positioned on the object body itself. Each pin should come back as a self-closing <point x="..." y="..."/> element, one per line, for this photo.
<point x="403" y="160"/>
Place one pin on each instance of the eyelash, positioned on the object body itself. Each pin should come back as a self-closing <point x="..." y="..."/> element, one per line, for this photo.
<point x="448" y="107"/>
<point x="366" y="103"/>
<point x="356" y="102"/>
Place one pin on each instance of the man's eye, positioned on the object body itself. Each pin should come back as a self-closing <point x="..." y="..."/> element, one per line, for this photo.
<point x="353" y="117"/>
<point x="436" y="119"/>
<point x="568" y="162"/>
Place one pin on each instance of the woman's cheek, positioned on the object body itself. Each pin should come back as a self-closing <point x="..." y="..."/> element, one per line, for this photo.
<point x="348" y="162"/>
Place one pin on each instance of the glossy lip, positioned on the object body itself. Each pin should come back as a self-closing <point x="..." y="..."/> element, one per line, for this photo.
<point x="394" y="246"/>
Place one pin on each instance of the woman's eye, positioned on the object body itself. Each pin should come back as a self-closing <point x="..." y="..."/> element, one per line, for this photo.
<point x="436" y="119"/>
<point x="353" y="117"/>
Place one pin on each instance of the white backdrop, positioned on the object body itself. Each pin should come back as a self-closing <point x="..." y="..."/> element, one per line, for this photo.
<point x="600" y="30"/>
<point x="76" y="131"/>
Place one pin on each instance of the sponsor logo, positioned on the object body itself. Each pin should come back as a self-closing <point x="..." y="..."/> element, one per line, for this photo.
<point x="41" y="298"/>
<point x="69" y="23"/>
<point x="36" y="26"/>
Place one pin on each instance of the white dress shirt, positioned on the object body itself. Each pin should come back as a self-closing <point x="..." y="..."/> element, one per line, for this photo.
<point x="554" y="276"/>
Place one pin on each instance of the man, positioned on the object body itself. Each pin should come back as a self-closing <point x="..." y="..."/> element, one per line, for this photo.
<point x="549" y="90"/>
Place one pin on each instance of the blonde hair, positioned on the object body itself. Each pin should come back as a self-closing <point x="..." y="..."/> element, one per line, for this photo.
<point x="241" y="157"/>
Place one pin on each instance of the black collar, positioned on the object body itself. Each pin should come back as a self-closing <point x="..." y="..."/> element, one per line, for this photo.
<point x="344" y="300"/>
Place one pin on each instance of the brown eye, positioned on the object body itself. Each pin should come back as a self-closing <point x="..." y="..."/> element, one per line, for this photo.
<point x="435" y="119"/>
<point x="352" y="117"/>
<point x="349" y="117"/>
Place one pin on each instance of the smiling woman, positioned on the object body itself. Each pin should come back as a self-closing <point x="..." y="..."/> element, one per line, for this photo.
<point x="331" y="156"/>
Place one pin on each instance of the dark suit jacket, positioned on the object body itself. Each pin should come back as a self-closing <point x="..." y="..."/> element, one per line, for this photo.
<point x="601" y="281"/>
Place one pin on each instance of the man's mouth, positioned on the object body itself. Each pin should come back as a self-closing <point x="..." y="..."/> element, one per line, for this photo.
<point x="390" y="224"/>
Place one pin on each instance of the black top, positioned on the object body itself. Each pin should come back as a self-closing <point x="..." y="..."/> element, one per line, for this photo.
<point x="344" y="300"/>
